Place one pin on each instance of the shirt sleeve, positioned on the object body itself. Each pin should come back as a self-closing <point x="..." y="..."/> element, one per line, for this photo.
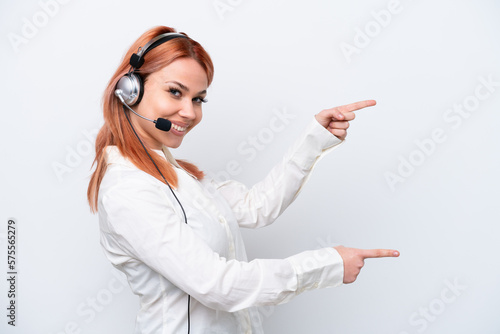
<point x="147" y="224"/>
<point x="265" y="201"/>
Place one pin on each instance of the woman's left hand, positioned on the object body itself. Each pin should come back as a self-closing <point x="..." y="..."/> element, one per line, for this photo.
<point x="336" y="120"/>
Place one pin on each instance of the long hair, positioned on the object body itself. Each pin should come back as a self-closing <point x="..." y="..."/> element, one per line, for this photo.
<point x="116" y="129"/>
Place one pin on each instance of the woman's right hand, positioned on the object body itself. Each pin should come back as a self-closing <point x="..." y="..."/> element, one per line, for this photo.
<point x="336" y="120"/>
<point x="354" y="259"/>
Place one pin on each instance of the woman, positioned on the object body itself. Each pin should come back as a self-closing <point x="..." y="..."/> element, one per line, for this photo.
<point x="175" y="233"/>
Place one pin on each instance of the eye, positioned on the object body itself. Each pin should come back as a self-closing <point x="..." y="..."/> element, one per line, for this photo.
<point x="175" y="92"/>
<point x="200" y="100"/>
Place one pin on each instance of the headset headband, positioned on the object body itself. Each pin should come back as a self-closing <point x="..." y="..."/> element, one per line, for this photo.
<point x="137" y="59"/>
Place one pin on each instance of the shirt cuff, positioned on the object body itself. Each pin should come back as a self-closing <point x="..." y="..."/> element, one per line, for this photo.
<point x="315" y="142"/>
<point x="316" y="269"/>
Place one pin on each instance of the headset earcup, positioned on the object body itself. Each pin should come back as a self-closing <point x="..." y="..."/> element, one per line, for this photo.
<point x="131" y="87"/>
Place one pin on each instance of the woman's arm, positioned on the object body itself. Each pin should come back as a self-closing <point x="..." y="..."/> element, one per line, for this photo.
<point x="266" y="200"/>
<point x="261" y="204"/>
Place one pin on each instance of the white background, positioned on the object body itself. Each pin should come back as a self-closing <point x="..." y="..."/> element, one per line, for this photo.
<point x="419" y="62"/>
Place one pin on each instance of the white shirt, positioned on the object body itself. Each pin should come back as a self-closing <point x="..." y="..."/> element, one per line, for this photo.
<point x="144" y="235"/>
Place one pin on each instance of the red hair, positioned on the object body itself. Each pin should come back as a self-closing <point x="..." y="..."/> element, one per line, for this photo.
<point x="116" y="130"/>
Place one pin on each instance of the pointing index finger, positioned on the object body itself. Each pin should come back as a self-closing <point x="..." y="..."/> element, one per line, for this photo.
<point x="356" y="106"/>
<point x="376" y="253"/>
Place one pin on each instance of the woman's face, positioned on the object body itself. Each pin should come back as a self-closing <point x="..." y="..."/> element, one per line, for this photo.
<point x="176" y="93"/>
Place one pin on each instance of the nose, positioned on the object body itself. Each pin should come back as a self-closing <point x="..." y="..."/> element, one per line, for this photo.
<point x="187" y="109"/>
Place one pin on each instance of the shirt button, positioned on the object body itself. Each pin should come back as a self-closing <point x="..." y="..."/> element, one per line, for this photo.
<point x="222" y="220"/>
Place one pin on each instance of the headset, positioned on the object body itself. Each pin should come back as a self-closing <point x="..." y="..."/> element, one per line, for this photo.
<point x="130" y="89"/>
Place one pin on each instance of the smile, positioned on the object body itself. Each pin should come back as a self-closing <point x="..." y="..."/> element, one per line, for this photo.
<point x="179" y="128"/>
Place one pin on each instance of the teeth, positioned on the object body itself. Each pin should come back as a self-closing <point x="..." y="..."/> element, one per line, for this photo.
<point x="178" y="128"/>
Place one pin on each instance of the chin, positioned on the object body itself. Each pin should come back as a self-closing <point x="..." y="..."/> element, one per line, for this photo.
<point x="174" y="145"/>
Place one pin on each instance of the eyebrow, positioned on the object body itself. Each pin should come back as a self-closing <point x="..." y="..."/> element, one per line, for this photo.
<point x="184" y="87"/>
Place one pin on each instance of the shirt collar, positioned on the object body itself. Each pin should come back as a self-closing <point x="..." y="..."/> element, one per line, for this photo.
<point x="170" y="158"/>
